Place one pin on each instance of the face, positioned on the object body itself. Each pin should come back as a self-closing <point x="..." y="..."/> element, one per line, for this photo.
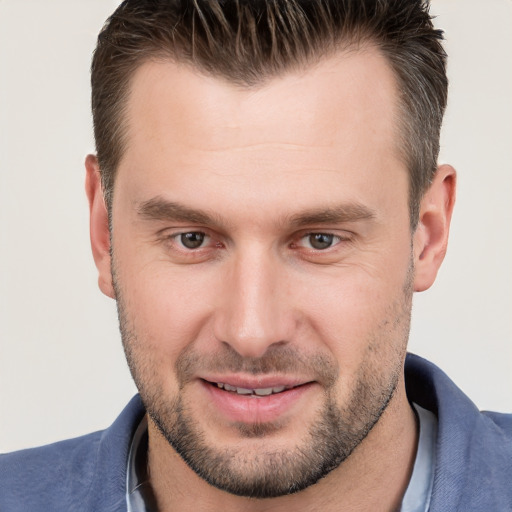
<point x="261" y="257"/>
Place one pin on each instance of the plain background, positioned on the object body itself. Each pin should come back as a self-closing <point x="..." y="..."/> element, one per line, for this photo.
<point x="62" y="370"/>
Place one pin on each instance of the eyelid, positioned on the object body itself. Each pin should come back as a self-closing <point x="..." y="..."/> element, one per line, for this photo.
<point x="214" y="240"/>
<point x="336" y="239"/>
<point x="338" y="236"/>
<point x="177" y="239"/>
<point x="170" y="236"/>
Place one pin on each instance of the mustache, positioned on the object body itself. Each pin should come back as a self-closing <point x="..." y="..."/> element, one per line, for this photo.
<point x="278" y="359"/>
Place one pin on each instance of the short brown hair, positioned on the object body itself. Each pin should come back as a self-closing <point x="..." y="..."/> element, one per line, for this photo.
<point x="250" y="41"/>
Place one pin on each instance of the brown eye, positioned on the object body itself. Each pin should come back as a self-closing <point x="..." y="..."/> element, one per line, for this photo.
<point x="320" y="241"/>
<point x="192" y="240"/>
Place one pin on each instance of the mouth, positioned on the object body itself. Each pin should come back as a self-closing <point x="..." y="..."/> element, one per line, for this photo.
<point x="253" y="399"/>
<point x="249" y="400"/>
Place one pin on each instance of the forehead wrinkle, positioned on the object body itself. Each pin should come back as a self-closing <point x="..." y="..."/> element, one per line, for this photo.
<point x="292" y="146"/>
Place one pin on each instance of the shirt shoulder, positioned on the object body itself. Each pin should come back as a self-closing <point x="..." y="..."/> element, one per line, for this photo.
<point x="474" y="449"/>
<point x="86" y="474"/>
<point x="50" y="477"/>
<point x="503" y="421"/>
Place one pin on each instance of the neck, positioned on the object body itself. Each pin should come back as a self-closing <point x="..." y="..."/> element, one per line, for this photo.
<point x="374" y="477"/>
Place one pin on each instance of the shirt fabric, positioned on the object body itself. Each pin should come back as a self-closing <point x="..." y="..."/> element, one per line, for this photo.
<point x="419" y="490"/>
<point x="472" y="473"/>
<point x="139" y="495"/>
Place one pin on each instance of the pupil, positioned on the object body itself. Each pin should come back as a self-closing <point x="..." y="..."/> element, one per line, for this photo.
<point x="320" y="240"/>
<point x="192" y="240"/>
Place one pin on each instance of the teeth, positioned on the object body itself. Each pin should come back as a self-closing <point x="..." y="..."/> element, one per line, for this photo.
<point x="244" y="391"/>
<point x="263" y="391"/>
<point x="247" y="391"/>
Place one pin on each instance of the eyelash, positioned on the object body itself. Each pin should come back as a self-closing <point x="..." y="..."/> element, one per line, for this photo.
<point x="336" y="239"/>
<point x="176" y="238"/>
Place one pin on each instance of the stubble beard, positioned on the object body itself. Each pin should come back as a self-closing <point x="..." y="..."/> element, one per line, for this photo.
<point x="336" y="432"/>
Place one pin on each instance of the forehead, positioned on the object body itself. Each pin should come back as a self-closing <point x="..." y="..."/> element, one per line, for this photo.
<point x="344" y="91"/>
<point x="337" y="117"/>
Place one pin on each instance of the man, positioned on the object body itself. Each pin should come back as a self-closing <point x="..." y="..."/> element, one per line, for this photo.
<point x="264" y="201"/>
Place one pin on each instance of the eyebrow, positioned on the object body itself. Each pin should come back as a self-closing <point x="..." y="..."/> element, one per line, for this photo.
<point x="159" y="208"/>
<point x="351" y="212"/>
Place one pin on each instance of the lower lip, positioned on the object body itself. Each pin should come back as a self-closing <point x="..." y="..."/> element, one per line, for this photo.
<point x="253" y="409"/>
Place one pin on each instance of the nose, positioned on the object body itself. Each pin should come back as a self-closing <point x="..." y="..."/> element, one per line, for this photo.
<point x="255" y="311"/>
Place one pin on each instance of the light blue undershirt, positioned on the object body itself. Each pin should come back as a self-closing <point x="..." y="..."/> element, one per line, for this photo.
<point x="416" y="498"/>
<point x="419" y="490"/>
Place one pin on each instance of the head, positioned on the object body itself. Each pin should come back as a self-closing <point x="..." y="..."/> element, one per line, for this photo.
<point x="271" y="204"/>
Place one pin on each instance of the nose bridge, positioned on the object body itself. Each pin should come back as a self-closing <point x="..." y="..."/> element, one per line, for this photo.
<point x="252" y="316"/>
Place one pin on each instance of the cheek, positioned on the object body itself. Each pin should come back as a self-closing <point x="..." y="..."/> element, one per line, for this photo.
<point x="166" y="308"/>
<point x="358" y="312"/>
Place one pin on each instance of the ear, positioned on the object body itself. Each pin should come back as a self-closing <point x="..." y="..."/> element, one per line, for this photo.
<point x="98" y="224"/>
<point x="431" y="236"/>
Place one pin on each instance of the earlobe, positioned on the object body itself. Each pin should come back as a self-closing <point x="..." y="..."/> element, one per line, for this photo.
<point x="431" y="235"/>
<point x="98" y="224"/>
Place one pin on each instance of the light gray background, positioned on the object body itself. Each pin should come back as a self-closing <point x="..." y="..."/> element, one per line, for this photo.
<point x="62" y="370"/>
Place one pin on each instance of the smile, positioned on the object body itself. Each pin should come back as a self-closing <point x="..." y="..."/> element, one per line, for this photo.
<point x="243" y="401"/>
<point x="252" y="392"/>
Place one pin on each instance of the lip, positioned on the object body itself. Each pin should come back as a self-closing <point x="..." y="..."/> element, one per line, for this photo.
<point x="251" y="408"/>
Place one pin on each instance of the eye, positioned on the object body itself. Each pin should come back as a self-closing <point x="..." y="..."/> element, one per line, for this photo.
<point x="320" y="241"/>
<point x="192" y="239"/>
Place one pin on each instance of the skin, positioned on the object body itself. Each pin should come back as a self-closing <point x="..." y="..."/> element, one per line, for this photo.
<point x="269" y="166"/>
